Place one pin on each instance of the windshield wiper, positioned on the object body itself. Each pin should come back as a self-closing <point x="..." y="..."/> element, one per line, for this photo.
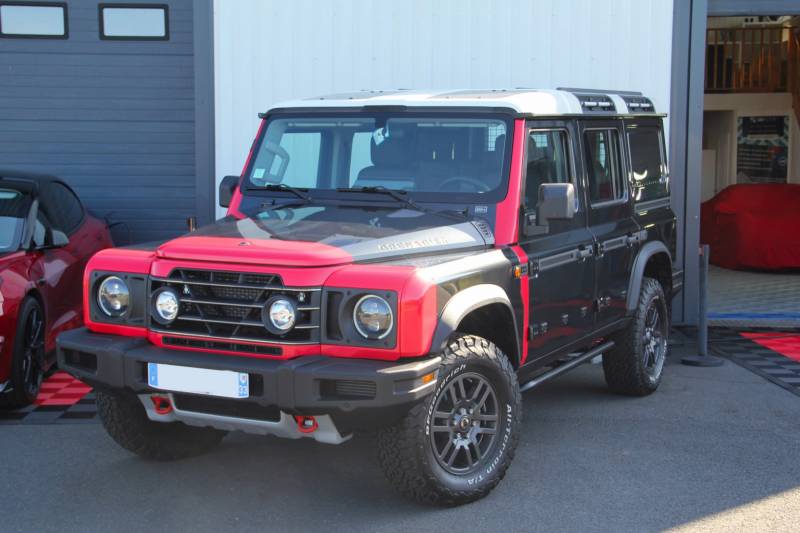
<point x="408" y="202"/>
<point x="288" y="188"/>
<point x="380" y="189"/>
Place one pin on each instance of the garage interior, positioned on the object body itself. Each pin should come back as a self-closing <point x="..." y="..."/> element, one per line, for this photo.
<point x="751" y="170"/>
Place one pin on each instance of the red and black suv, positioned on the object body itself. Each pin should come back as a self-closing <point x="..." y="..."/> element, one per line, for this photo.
<point x="402" y="261"/>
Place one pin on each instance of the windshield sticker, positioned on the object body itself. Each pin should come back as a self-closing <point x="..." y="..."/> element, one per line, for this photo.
<point x="258" y="173"/>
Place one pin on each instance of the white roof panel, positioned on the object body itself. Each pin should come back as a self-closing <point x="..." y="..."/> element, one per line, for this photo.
<point x="547" y="102"/>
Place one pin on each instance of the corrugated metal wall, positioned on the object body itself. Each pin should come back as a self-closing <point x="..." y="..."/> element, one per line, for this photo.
<point x="114" y="118"/>
<point x="271" y="50"/>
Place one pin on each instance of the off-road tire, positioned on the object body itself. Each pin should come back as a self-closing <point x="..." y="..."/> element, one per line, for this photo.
<point x="624" y="365"/>
<point x="125" y="420"/>
<point x="24" y="386"/>
<point x="406" y="450"/>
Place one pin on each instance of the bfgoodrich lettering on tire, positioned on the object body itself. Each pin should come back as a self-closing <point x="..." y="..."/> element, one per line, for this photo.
<point x="456" y="446"/>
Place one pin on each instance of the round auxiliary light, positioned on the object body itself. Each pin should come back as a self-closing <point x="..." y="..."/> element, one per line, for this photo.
<point x="281" y="315"/>
<point x="166" y="305"/>
<point x="372" y="317"/>
<point x="113" y="296"/>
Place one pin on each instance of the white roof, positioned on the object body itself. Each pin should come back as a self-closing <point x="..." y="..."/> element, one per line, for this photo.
<point x="524" y="101"/>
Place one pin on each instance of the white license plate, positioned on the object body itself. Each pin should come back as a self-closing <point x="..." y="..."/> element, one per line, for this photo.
<point x="174" y="378"/>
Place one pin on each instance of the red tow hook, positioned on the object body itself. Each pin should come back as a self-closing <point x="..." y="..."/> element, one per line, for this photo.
<point x="306" y="424"/>
<point x="162" y="404"/>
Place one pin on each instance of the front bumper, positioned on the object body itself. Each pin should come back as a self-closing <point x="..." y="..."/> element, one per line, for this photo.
<point x="354" y="393"/>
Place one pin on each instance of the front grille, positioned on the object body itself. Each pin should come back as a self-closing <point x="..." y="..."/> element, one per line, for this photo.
<point x="228" y="305"/>
<point x="221" y="345"/>
<point x="226" y="407"/>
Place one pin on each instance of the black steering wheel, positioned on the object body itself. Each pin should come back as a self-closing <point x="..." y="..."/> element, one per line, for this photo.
<point x="478" y="185"/>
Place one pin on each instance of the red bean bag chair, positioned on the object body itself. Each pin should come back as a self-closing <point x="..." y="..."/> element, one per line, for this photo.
<point x="753" y="227"/>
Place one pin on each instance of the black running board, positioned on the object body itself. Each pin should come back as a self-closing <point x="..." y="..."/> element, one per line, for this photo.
<point x="567" y="366"/>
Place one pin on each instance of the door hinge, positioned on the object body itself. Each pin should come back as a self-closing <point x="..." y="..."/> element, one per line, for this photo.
<point x="537" y="329"/>
<point x="533" y="268"/>
<point x="636" y="238"/>
<point x="602" y="303"/>
<point x="599" y="250"/>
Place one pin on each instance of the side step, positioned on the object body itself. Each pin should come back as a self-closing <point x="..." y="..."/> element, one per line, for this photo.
<point x="567" y="366"/>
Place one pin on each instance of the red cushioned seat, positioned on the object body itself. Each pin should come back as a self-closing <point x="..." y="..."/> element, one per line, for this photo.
<point x="753" y="227"/>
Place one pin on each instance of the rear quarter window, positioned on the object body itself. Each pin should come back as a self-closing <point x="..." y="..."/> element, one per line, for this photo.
<point x="650" y="180"/>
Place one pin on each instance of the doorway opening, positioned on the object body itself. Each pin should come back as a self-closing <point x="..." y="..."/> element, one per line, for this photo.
<point x="750" y="190"/>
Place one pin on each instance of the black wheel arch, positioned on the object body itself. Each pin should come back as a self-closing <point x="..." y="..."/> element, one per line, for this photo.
<point x="652" y="261"/>
<point x="483" y="310"/>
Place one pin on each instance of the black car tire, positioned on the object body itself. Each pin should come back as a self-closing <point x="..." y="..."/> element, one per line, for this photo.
<point x="630" y="367"/>
<point x="27" y="360"/>
<point x="125" y="420"/>
<point x="410" y="451"/>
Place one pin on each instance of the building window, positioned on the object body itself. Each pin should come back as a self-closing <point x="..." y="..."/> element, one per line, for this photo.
<point x="134" y="22"/>
<point x="40" y="20"/>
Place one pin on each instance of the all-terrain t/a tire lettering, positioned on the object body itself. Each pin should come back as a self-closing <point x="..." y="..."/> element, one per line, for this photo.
<point x="456" y="446"/>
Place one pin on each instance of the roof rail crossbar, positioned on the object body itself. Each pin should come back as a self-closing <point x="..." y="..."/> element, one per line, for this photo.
<point x="599" y="91"/>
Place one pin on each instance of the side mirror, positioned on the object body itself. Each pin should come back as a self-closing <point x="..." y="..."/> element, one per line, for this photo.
<point x="226" y="189"/>
<point x="54" y="238"/>
<point x="556" y="202"/>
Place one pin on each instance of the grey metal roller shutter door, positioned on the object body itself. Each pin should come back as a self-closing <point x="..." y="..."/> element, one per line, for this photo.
<point x="115" y="119"/>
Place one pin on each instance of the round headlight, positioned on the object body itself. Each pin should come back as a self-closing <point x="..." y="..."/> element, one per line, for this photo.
<point x="113" y="296"/>
<point x="372" y="316"/>
<point x="166" y="305"/>
<point x="282" y="314"/>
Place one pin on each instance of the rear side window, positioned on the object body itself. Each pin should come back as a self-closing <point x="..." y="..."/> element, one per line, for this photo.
<point x="548" y="162"/>
<point x="603" y="166"/>
<point x="650" y="180"/>
<point x="45" y="20"/>
<point x="63" y="208"/>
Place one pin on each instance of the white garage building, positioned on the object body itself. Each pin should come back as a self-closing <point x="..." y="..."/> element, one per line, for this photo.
<point x="143" y="106"/>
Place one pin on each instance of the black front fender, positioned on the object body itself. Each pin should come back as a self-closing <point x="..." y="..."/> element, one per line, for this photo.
<point x="462" y="304"/>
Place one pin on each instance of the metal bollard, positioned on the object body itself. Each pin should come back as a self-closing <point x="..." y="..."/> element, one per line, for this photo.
<point x="702" y="358"/>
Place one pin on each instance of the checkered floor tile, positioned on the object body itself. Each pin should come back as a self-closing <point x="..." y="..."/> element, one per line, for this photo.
<point x="62" y="400"/>
<point x="772" y="354"/>
<point x="741" y="299"/>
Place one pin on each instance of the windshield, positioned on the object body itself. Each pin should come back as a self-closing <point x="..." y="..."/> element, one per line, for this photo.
<point x="13" y="209"/>
<point x="442" y="158"/>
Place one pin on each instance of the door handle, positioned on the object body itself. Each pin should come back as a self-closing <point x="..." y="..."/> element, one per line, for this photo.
<point x="584" y="252"/>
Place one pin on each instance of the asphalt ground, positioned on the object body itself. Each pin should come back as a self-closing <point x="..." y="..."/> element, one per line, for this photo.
<point x="713" y="449"/>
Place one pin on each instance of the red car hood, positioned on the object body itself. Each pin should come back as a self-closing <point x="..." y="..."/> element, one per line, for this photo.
<point x="332" y="236"/>
<point x="253" y="251"/>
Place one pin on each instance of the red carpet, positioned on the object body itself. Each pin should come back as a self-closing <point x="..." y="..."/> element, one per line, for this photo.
<point x="61" y="389"/>
<point x="788" y="345"/>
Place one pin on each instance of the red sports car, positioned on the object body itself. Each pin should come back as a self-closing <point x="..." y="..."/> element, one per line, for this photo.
<point x="46" y="238"/>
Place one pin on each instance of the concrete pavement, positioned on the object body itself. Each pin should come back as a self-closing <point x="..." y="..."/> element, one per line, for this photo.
<point x="713" y="448"/>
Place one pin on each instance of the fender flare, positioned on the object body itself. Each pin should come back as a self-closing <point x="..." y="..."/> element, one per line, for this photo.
<point x="637" y="272"/>
<point x="462" y="304"/>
